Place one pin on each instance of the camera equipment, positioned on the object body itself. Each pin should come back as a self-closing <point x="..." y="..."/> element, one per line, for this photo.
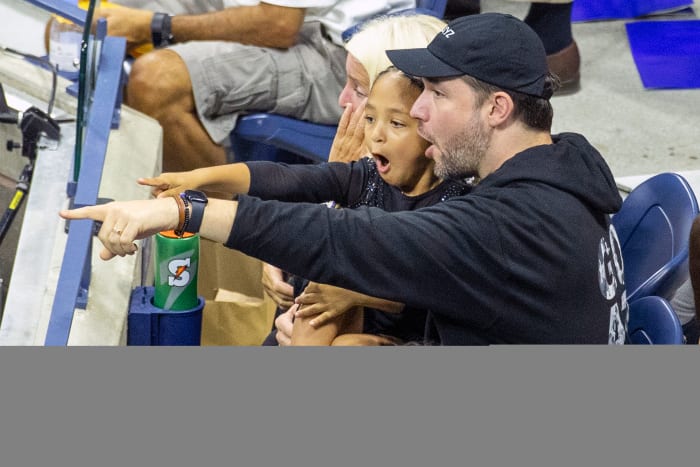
<point x="34" y="124"/>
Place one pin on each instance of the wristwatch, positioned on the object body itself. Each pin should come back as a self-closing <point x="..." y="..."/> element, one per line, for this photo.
<point x="161" y="33"/>
<point x="198" y="201"/>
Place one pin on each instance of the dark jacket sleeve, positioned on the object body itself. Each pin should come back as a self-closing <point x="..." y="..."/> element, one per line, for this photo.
<point x="312" y="183"/>
<point x="402" y="256"/>
<point x="520" y="259"/>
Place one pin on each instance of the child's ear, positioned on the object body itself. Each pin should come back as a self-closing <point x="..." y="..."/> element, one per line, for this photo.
<point x="501" y="108"/>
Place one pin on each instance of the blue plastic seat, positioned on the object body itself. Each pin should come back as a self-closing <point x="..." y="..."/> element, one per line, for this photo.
<point x="264" y="136"/>
<point x="272" y="137"/>
<point x="423" y="7"/>
<point x="653" y="227"/>
<point x="653" y="321"/>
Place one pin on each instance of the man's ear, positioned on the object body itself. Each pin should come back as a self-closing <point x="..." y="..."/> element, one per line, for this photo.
<point x="501" y="108"/>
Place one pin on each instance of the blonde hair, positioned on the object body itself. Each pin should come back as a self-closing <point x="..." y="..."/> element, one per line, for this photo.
<point x="370" y="43"/>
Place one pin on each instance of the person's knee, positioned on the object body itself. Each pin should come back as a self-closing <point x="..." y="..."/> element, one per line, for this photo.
<point x="694" y="246"/>
<point x="158" y="80"/>
<point x="695" y="229"/>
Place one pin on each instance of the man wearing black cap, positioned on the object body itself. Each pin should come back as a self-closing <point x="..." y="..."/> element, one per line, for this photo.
<point x="528" y="257"/>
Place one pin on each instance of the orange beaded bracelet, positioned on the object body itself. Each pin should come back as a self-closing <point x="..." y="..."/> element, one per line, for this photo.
<point x="182" y="215"/>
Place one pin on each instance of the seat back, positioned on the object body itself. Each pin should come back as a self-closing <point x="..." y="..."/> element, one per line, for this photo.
<point x="264" y="136"/>
<point x="437" y="7"/>
<point x="272" y="137"/>
<point x="652" y="321"/>
<point x="423" y="7"/>
<point x="653" y="227"/>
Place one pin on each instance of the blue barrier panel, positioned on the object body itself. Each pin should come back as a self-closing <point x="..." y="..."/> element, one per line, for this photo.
<point x="63" y="8"/>
<point x="78" y="246"/>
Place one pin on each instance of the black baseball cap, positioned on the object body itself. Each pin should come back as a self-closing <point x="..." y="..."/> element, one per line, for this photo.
<point x="496" y="48"/>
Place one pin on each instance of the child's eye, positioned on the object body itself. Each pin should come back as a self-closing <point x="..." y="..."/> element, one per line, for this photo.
<point x="397" y="124"/>
<point x="369" y="119"/>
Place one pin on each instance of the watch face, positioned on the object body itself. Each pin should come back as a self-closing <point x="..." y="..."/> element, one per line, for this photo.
<point x="196" y="196"/>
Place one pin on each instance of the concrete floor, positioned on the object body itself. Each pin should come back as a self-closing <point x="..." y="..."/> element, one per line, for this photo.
<point x="638" y="131"/>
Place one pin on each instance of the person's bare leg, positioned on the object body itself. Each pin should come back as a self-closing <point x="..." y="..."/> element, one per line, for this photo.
<point x="159" y="86"/>
<point x="362" y="340"/>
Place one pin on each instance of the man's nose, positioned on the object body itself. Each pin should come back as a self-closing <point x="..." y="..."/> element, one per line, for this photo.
<point x="418" y="109"/>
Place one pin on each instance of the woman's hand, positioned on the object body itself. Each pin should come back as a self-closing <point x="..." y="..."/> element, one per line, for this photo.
<point x="275" y="286"/>
<point x="348" y="143"/>
<point x="284" y="324"/>
<point x="126" y="221"/>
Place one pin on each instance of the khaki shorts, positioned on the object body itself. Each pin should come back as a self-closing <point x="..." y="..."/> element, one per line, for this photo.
<point x="228" y="78"/>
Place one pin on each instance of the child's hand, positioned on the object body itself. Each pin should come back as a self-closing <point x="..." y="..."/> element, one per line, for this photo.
<point x="326" y="301"/>
<point x="348" y="143"/>
<point x="169" y="184"/>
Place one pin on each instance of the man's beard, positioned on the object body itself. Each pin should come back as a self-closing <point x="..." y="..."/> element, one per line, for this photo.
<point x="461" y="155"/>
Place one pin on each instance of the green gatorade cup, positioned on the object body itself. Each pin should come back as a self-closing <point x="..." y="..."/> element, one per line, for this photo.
<point x="176" y="263"/>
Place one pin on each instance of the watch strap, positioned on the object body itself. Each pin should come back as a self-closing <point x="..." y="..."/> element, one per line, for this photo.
<point x="197" y="205"/>
<point x="161" y="30"/>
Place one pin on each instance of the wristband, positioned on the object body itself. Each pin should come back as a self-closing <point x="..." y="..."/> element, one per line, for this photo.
<point x="161" y="34"/>
<point x="182" y="215"/>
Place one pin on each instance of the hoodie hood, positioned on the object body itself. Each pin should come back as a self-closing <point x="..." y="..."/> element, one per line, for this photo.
<point x="570" y="164"/>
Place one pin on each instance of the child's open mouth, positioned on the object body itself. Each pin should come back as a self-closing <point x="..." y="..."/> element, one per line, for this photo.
<point x="382" y="163"/>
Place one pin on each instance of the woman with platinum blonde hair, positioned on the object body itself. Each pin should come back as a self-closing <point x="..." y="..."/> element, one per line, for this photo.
<point x="365" y="60"/>
<point x="368" y="44"/>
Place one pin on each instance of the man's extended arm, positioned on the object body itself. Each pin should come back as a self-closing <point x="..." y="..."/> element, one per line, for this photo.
<point x="263" y="25"/>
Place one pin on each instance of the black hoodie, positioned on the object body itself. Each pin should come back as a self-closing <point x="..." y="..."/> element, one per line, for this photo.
<point x="528" y="257"/>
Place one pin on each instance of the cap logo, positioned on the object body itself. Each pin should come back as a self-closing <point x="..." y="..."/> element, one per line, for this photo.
<point x="448" y="32"/>
<point x="496" y="48"/>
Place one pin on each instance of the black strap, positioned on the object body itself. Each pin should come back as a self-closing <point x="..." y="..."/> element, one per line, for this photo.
<point x="196" y="216"/>
<point x="161" y="26"/>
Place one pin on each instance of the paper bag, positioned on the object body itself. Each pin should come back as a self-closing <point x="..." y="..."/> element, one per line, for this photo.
<point x="236" y="310"/>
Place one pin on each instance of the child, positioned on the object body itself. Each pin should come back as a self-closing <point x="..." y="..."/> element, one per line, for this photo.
<point x="397" y="177"/>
